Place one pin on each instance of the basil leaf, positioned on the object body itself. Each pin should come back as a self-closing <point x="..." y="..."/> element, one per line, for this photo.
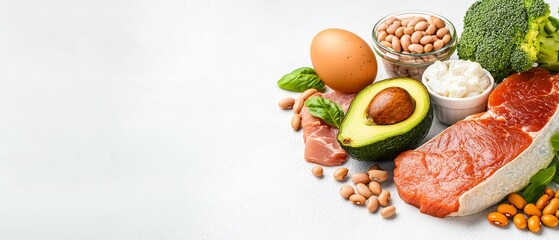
<point x="330" y="112"/>
<point x="555" y="141"/>
<point x="539" y="182"/>
<point x="300" y="80"/>
<point x="556" y="179"/>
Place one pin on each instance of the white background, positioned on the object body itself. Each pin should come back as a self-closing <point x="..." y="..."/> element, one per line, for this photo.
<point x="125" y="119"/>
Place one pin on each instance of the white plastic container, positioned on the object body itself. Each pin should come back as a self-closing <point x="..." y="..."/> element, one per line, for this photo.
<point x="451" y="110"/>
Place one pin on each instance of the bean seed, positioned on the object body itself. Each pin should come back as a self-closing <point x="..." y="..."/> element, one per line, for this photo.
<point x="375" y="188"/>
<point x="557" y="193"/>
<point x="357" y="199"/>
<point x="552" y="206"/>
<point x="550" y="220"/>
<point x="421" y="26"/>
<point x="302" y="98"/>
<point x="399" y="32"/>
<point x="426" y="40"/>
<point x="405" y="42"/>
<point x="296" y="121"/>
<point x="286" y="103"/>
<point x="549" y="192"/>
<point x="438" y="44"/>
<point x="408" y="30"/>
<point x="396" y="44"/>
<point x="517" y="201"/>
<point x="441" y="32"/>
<point x="405" y="21"/>
<point x="372" y="204"/>
<point x="431" y="29"/>
<point x="439" y="23"/>
<point x="388" y="212"/>
<point x="413" y="22"/>
<point x="381" y="35"/>
<point x="386" y="44"/>
<point x="346" y="191"/>
<point x="392" y="28"/>
<point x="317" y="171"/>
<point x="534" y="224"/>
<point x="384" y="198"/>
<point x="390" y="20"/>
<point x="382" y="27"/>
<point x="542" y="201"/>
<point x="378" y="175"/>
<point x="507" y="209"/>
<point x="360" y="178"/>
<point x="415" y="48"/>
<point x="557" y="213"/>
<point x="363" y="190"/>
<point x="389" y="38"/>
<point x="519" y="221"/>
<point x="428" y="48"/>
<point x="497" y="219"/>
<point x="531" y="210"/>
<point x="340" y="173"/>
<point x="374" y="167"/>
<point x="446" y="39"/>
<point x="416" y="37"/>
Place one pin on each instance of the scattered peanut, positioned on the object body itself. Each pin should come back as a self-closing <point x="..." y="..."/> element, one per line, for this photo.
<point x="520" y="221"/>
<point x="534" y="224"/>
<point x="372" y="204"/>
<point x="296" y="121"/>
<point x="378" y="175"/>
<point x="384" y="198"/>
<point x="357" y="199"/>
<point x="360" y="178"/>
<point x="375" y="188"/>
<point x="497" y="219"/>
<point x="550" y="220"/>
<point x="340" y="173"/>
<point x="346" y="191"/>
<point x="507" y="209"/>
<point x="302" y="98"/>
<point x="286" y="103"/>
<point x="551" y="207"/>
<point x="388" y="212"/>
<point x="363" y="190"/>
<point x="542" y="201"/>
<point x="317" y="171"/>
<point x="517" y="201"/>
<point x="531" y="210"/>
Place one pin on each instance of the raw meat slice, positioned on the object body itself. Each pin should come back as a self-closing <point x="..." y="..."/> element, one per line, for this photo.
<point x="478" y="161"/>
<point x="321" y="146"/>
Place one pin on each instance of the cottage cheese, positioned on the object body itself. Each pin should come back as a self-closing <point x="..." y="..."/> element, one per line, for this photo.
<point x="457" y="79"/>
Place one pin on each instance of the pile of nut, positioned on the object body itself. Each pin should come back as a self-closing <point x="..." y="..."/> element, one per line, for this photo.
<point x="367" y="192"/>
<point x="545" y="211"/>
<point x="296" y="105"/>
<point x="414" y="34"/>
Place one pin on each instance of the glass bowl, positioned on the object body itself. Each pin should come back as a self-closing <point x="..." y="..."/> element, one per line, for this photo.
<point x="412" y="65"/>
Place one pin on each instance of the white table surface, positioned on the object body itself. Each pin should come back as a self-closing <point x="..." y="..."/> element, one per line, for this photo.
<point x="135" y="119"/>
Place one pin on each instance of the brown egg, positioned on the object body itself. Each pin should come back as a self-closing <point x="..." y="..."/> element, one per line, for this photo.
<point x="343" y="60"/>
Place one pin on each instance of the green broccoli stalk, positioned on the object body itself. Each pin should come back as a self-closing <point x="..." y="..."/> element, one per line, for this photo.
<point x="508" y="36"/>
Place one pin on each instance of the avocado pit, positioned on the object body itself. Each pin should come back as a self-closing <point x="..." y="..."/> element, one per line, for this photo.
<point x="389" y="106"/>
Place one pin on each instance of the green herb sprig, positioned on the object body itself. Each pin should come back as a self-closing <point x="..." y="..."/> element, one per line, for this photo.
<point x="544" y="177"/>
<point x="300" y="80"/>
<point x="330" y="112"/>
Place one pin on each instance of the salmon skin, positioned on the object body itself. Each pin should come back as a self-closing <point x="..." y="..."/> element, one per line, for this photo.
<point x="478" y="161"/>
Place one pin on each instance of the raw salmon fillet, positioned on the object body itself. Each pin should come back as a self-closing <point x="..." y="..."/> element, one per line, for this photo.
<point x="434" y="176"/>
<point x="321" y="145"/>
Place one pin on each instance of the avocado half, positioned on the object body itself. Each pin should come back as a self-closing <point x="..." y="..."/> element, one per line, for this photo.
<point x="369" y="142"/>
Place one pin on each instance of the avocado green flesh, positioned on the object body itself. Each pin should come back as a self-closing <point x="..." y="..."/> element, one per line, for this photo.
<point x="383" y="142"/>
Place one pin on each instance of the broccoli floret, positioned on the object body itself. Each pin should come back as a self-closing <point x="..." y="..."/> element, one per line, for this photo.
<point x="507" y="36"/>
